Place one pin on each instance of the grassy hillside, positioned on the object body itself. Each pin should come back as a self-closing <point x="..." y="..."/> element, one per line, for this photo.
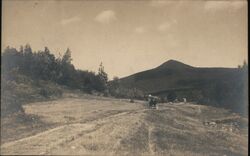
<point x="24" y="90"/>
<point x="91" y="125"/>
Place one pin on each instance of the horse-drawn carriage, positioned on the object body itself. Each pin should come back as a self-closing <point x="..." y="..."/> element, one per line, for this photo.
<point x="152" y="101"/>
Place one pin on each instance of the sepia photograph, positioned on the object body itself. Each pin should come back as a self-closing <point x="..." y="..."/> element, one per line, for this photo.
<point x="124" y="77"/>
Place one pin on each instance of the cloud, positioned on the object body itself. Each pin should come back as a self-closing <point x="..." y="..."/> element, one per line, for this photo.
<point x="166" y="25"/>
<point x="166" y="3"/>
<point x="158" y="3"/>
<point x="70" y="20"/>
<point x="223" y="5"/>
<point x="106" y="17"/>
<point x="140" y="30"/>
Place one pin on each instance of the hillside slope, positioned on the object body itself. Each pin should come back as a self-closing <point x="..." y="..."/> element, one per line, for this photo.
<point x="89" y="125"/>
<point x="225" y="87"/>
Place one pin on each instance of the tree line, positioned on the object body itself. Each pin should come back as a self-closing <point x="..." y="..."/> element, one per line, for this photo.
<point x="43" y="65"/>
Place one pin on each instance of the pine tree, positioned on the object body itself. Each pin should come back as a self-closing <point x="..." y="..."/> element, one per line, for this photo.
<point x="67" y="57"/>
<point x="103" y="77"/>
<point x="102" y="74"/>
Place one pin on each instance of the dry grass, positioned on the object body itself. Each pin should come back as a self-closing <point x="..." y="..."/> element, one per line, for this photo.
<point x="89" y="125"/>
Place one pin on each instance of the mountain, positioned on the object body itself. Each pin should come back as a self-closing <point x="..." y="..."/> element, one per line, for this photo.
<point x="215" y="86"/>
<point x="176" y="75"/>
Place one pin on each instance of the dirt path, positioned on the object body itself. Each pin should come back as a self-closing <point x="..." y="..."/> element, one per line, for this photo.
<point x="95" y="137"/>
<point x="151" y="145"/>
<point x="117" y="127"/>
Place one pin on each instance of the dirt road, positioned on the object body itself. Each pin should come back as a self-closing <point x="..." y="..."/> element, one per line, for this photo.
<point x="103" y="126"/>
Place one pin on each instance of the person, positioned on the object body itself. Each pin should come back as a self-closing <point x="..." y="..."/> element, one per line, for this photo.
<point x="184" y="100"/>
<point x="152" y="101"/>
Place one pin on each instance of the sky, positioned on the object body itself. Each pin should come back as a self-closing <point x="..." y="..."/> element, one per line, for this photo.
<point x="130" y="36"/>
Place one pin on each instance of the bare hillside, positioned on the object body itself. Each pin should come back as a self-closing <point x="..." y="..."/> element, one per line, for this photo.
<point x="89" y="125"/>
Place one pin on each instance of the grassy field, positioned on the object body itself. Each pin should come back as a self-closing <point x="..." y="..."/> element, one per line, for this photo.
<point x="91" y="125"/>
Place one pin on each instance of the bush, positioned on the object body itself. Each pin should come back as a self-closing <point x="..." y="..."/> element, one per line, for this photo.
<point x="10" y="104"/>
<point x="50" y="90"/>
<point x="121" y="92"/>
<point x="171" y="96"/>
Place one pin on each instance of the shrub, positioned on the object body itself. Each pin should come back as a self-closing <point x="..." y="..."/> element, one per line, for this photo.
<point x="10" y="104"/>
<point x="171" y="96"/>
